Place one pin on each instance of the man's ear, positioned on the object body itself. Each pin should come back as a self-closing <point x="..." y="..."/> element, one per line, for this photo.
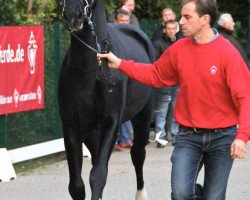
<point x="205" y="19"/>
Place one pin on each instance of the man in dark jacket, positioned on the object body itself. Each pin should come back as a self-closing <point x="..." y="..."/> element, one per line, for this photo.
<point x="226" y="28"/>
<point x="168" y="37"/>
<point x="166" y="15"/>
<point x="165" y="97"/>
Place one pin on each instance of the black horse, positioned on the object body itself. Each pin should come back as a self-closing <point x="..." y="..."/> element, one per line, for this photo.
<point x="94" y="101"/>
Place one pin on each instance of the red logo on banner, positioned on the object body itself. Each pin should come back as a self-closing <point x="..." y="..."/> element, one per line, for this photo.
<point x="21" y="68"/>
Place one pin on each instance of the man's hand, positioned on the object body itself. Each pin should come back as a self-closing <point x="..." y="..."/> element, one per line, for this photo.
<point x="238" y="149"/>
<point x="113" y="61"/>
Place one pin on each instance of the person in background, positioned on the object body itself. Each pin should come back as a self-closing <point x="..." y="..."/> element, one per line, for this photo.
<point x="128" y="5"/>
<point x="166" y="15"/>
<point x="213" y="104"/>
<point x="165" y="97"/>
<point x="124" y="139"/>
<point x="226" y="29"/>
<point x="122" y="17"/>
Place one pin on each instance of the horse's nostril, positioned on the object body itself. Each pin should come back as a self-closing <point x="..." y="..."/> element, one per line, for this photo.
<point x="78" y="14"/>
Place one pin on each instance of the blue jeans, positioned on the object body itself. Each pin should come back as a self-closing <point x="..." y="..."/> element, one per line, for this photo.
<point x="193" y="151"/>
<point x="165" y="97"/>
<point x="174" y="126"/>
<point x="125" y="133"/>
<point x="162" y="101"/>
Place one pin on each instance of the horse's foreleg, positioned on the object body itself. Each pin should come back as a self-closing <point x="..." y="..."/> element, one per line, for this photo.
<point x="98" y="174"/>
<point x="73" y="149"/>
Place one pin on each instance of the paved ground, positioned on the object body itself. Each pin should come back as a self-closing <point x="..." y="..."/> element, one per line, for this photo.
<point x="50" y="182"/>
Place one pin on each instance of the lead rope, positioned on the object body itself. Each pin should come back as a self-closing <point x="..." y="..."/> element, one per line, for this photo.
<point x="104" y="69"/>
<point x="104" y="72"/>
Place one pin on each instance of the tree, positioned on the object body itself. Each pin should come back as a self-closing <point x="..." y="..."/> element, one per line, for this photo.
<point x="29" y="8"/>
<point x="19" y="12"/>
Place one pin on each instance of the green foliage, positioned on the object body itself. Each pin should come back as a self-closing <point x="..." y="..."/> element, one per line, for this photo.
<point x="11" y="11"/>
<point x="14" y="12"/>
<point x="236" y="8"/>
<point x="152" y="9"/>
<point x="240" y="32"/>
<point x="110" y="7"/>
<point x="147" y="8"/>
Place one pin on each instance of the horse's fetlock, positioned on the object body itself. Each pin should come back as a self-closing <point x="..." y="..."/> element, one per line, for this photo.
<point x="77" y="191"/>
<point x="97" y="182"/>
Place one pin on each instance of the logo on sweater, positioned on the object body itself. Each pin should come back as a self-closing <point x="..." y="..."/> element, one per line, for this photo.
<point x="213" y="70"/>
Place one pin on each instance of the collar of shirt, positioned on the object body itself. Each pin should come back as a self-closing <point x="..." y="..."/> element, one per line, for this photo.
<point x="216" y="34"/>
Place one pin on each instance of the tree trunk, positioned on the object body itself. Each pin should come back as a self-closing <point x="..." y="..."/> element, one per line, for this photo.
<point x="29" y="8"/>
<point x="42" y="6"/>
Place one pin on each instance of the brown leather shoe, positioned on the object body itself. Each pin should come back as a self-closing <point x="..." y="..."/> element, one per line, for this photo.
<point x="127" y="145"/>
<point x="117" y="147"/>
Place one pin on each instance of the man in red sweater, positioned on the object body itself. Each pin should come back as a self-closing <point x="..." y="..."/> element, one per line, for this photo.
<point x="213" y="99"/>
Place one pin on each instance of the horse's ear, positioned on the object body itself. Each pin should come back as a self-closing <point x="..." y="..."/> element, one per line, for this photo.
<point x="92" y="3"/>
<point x="60" y="3"/>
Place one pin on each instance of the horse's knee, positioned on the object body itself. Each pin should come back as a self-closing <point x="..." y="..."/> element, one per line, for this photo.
<point x="77" y="190"/>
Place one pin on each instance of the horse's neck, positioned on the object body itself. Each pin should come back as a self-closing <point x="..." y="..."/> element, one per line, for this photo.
<point x="100" y="27"/>
<point x="83" y="56"/>
<point x="78" y="49"/>
<point x="99" y="20"/>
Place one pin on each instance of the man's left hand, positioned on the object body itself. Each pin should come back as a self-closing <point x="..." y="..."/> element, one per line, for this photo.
<point x="238" y="149"/>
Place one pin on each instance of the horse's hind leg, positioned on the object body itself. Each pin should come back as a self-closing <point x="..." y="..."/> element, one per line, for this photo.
<point x="141" y="128"/>
<point x="73" y="147"/>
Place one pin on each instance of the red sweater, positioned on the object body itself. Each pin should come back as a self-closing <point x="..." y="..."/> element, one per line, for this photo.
<point x="214" y="83"/>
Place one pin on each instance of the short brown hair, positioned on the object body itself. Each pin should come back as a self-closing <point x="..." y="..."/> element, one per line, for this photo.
<point x="170" y="22"/>
<point x="121" y="12"/>
<point x="205" y="7"/>
<point x="167" y="9"/>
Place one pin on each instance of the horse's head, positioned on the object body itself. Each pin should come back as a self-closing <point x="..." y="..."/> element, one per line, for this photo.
<point x="75" y="13"/>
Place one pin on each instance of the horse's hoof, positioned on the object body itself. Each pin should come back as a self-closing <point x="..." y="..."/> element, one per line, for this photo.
<point x="141" y="195"/>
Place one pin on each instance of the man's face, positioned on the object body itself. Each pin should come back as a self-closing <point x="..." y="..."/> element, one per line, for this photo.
<point x="129" y="5"/>
<point x="171" y="30"/>
<point x="122" y="19"/>
<point x="168" y="15"/>
<point x="230" y="24"/>
<point x="190" y="22"/>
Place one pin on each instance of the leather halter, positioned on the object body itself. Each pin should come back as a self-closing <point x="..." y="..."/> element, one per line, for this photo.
<point x="87" y="11"/>
<point x="104" y="74"/>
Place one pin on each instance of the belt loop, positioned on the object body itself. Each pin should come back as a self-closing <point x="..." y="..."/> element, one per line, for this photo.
<point x="195" y="130"/>
<point x="218" y="130"/>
